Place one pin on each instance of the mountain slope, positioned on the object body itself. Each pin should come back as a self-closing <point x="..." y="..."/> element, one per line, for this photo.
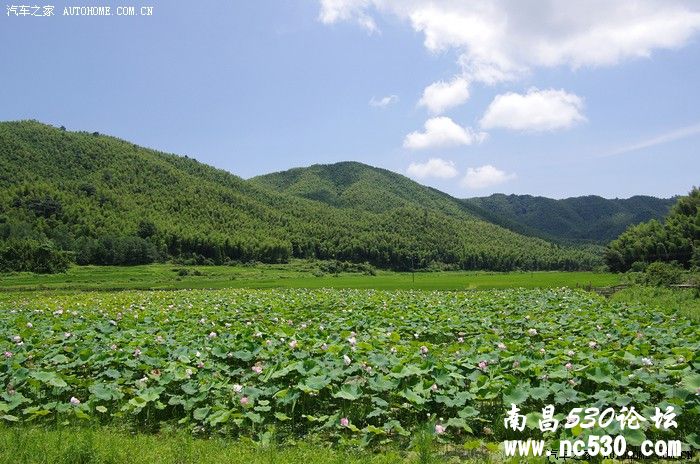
<point x="108" y="200"/>
<point x="350" y="184"/>
<point x="580" y="219"/>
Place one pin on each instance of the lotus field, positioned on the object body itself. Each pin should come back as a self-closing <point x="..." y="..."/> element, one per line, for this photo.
<point x="355" y="366"/>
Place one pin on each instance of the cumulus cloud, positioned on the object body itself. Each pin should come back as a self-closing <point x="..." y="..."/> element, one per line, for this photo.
<point x="485" y="176"/>
<point x="384" y="101"/>
<point x="537" y="110"/>
<point x="499" y="40"/>
<point x="442" y="132"/>
<point x="434" y="167"/>
<point x="440" y="96"/>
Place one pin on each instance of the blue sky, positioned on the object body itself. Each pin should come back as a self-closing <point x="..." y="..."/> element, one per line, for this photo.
<point x="559" y="102"/>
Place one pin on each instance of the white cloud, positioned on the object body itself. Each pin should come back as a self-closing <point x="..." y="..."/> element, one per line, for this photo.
<point x="384" y="101"/>
<point x="499" y="40"/>
<point x="442" y="132"/>
<point x="440" y="96"/>
<point x="485" y="176"/>
<point x="537" y="110"/>
<point x="434" y="167"/>
<point x="333" y="11"/>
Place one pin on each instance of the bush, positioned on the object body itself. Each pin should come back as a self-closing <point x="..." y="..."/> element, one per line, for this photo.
<point x="660" y="274"/>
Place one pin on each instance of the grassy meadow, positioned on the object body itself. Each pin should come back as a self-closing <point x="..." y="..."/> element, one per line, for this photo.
<point x="298" y="274"/>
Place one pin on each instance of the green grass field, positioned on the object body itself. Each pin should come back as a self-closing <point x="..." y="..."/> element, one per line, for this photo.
<point x="299" y="274"/>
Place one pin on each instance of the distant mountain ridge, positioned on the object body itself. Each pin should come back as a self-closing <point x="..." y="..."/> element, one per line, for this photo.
<point x="586" y="219"/>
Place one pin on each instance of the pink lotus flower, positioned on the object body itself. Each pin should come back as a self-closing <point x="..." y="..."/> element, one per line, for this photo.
<point x="569" y="366"/>
<point x="8" y="354"/>
<point x="570" y="353"/>
<point x="592" y="344"/>
<point x="200" y="365"/>
<point x="344" y="422"/>
<point x="257" y="369"/>
<point x="137" y="353"/>
<point x="293" y="344"/>
<point x="501" y="346"/>
<point x="16" y="339"/>
<point x="237" y="387"/>
<point x="245" y="400"/>
<point x="74" y="401"/>
<point x="324" y="347"/>
<point x="483" y="365"/>
<point x="439" y="429"/>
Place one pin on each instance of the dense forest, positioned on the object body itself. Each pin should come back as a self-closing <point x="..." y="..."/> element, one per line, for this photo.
<point x="587" y="219"/>
<point x="676" y="239"/>
<point x="94" y="199"/>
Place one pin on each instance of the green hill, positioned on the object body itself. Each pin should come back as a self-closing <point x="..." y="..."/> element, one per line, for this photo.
<point x="108" y="201"/>
<point x="587" y="219"/>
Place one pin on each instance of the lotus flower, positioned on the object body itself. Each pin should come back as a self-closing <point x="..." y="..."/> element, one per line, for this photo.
<point x="347" y="359"/>
<point x="137" y="353"/>
<point x="344" y="422"/>
<point x="212" y="335"/>
<point x="293" y="344"/>
<point x="74" y="401"/>
<point x="569" y="366"/>
<point x="483" y="365"/>
<point x="244" y="400"/>
<point x="532" y="332"/>
<point x="237" y="387"/>
<point x="257" y="369"/>
<point x="423" y="349"/>
<point x="8" y="354"/>
<point x="439" y="429"/>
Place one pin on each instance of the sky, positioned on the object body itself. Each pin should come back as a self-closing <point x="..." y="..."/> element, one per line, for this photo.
<point x="556" y="98"/>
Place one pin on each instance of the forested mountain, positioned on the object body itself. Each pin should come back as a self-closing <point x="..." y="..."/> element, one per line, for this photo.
<point x="108" y="201"/>
<point x="587" y="219"/>
<point x="677" y="239"/>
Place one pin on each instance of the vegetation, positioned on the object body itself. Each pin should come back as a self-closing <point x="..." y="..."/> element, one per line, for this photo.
<point x="83" y="445"/>
<point x="588" y="219"/>
<point x="685" y="302"/>
<point x="676" y="239"/>
<point x="111" y="202"/>
<point x="341" y="365"/>
<point x="32" y="256"/>
<point x="98" y="196"/>
<point x="296" y="274"/>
